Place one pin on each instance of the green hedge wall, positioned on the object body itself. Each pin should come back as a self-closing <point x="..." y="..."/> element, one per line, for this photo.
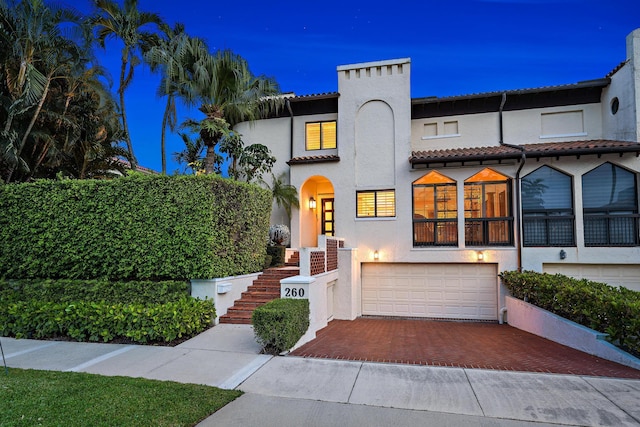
<point x="65" y="290"/>
<point x="604" y="308"/>
<point x="131" y="228"/>
<point x="279" y="324"/>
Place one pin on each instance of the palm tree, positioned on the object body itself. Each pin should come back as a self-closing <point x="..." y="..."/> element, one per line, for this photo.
<point x="191" y="156"/>
<point x="229" y="94"/>
<point x="127" y="24"/>
<point x="284" y="195"/>
<point x="174" y="57"/>
<point x="39" y="54"/>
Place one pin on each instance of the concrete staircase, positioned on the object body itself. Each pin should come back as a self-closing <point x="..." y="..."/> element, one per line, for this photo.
<point x="264" y="289"/>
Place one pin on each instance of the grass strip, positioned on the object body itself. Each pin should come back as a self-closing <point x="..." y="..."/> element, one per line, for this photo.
<point x="47" y="398"/>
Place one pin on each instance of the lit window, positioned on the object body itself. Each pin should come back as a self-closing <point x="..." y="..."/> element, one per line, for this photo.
<point x="547" y="208"/>
<point x="435" y="211"/>
<point x="321" y="135"/>
<point x="487" y="209"/>
<point x="610" y="207"/>
<point x="375" y="204"/>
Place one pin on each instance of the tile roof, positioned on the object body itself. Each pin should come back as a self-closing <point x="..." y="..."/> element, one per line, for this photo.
<point x="505" y="152"/>
<point x="313" y="159"/>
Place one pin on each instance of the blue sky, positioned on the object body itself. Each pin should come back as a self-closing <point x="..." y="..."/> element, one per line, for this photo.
<point x="456" y="47"/>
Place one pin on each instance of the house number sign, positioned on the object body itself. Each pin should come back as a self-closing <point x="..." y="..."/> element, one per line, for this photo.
<point x="294" y="290"/>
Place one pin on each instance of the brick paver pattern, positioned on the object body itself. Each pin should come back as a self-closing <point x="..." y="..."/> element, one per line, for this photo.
<point x="450" y="343"/>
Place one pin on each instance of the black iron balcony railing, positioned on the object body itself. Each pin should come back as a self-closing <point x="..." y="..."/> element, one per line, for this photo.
<point x="488" y="231"/>
<point x="435" y="232"/>
<point x="544" y="228"/>
<point x="611" y="230"/>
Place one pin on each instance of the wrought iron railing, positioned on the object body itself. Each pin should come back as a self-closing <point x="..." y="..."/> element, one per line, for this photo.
<point x="488" y="231"/>
<point x="611" y="230"/>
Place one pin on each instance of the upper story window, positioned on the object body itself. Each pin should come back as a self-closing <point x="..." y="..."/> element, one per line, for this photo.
<point x="435" y="212"/>
<point x="376" y="204"/>
<point x="487" y="209"/>
<point x="320" y="135"/>
<point x="610" y="206"/>
<point x="547" y="208"/>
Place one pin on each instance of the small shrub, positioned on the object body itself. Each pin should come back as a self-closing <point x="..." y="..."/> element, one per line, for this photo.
<point x="277" y="254"/>
<point x="279" y="324"/>
<point x="604" y="308"/>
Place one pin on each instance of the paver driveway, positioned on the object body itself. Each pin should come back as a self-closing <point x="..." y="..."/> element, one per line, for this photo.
<point x="460" y="344"/>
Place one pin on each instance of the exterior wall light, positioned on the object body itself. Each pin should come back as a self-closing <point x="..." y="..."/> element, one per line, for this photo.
<point x="376" y="256"/>
<point x="480" y="256"/>
<point x="563" y="254"/>
<point x="312" y="203"/>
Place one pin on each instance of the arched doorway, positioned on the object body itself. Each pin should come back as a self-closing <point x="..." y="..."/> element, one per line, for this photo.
<point x="317" y="210"/>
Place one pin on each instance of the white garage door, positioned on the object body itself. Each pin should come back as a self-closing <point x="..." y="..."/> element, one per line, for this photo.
<point x="451" y="291"/>
<point x="614" y="275"/>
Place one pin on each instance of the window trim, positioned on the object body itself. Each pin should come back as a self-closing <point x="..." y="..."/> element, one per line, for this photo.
<point x="375" y="204"/>
<point x="549" y="216"/>
<point x="322" y="144"/>
<point x="485" y="221"/>
<point x="609" y="215"/>
<point x="435" y="221"/>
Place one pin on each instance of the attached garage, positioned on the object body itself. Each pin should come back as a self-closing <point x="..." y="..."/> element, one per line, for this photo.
<point x="449" y="291"/>
<point x="614" y="275"/>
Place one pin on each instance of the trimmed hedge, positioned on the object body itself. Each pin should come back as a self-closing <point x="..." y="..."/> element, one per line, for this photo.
<point x="279" y="324"/>
<point x="99" y="310"/>
<point x="92" y="321"/>
<point x="604" y="308"/>
<point x="134" y="292"/>
<point x="132" y="228"/>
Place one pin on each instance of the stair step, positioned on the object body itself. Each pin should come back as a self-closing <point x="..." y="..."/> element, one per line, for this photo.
<point x="264" y="288"/>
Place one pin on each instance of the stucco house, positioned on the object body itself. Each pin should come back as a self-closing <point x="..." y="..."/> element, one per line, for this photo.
<point x="436" y="196"/>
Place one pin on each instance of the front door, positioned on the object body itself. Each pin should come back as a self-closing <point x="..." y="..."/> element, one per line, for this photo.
<point x="328" y="228"/>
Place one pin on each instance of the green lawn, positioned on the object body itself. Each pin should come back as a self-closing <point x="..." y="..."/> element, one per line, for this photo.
<point x="45" y="398"/>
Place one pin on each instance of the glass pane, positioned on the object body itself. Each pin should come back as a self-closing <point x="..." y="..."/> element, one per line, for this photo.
<point x="328" y="135"/>
<point x="328" y="216"/>
<point x="328" y="205"/>
<point x="446" y="201"/>
<point x="487" y="175"/>
<point x="609" y="188"/>
<point x="423" y="202"/>
<point x="313" y="136"/>
<point x="495" y="200"/>
<point x="434" y="177"/>
<point x="385" y="203"/>
<point x="365" y="204"/>
<point x="472" y="201"/>
<point x="546" y="188"/>
<point x="328" y="227"/>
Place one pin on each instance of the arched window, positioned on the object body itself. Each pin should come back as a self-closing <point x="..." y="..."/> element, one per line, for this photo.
<point x="610" y="206"/>
<point x="487" y="209"/>
<point x="435" y="213"/>
<point x="547" y="208"/>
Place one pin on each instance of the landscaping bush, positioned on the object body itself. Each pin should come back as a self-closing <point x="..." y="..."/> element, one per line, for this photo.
<point x="279" y="324"/>
<point x="604" y="308"/>
<point x="103" y="321"/>
<point x="278" y="254"/>
<point x="133" y="228"/>
<point x="140" y="292"/>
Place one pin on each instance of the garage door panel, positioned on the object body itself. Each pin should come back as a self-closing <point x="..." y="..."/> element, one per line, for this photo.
<point x="467" y="291"/>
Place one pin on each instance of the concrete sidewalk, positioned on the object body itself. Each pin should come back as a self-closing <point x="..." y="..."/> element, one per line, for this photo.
<point x="316" y="392"/>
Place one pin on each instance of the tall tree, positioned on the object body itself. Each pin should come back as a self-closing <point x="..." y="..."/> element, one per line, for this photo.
<point x="130" y="25"/>
<point x="38" y="53"/>
<point x="228" y="94"/>
<point x="174" y="57"/>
